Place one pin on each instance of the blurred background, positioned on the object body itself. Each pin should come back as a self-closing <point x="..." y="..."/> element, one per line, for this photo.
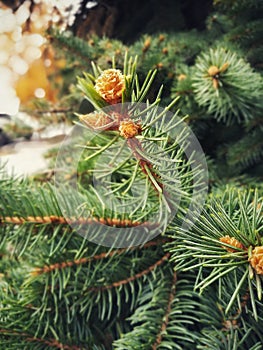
<point x="26" y="59"/>
<point x="31" y="70"/>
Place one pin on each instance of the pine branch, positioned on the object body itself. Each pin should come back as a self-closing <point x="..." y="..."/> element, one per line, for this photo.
<point x="60" y="220"/>
<point x="226" y="86"/>
<point x="72" y="45"/>
<point x="138" y="275"/>
<point x="104" y="255"/>
<point x="167" y="314"/>
<point x="173" y="315"/>
<point x="60" y="290"/>
<point x="52" y="343"/>
<point x="222" y="242"/>
<point x="247" y="151"/>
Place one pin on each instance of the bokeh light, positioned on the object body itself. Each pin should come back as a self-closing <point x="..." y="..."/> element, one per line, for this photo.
<point x="22" y="44"/>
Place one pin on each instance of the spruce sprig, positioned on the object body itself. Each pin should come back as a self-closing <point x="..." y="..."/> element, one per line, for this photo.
<point x="227" y="86"/>
<point x="222" y="242"/>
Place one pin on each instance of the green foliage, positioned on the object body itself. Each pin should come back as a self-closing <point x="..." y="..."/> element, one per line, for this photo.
<point x="152" y="315"/>
<point x="252" y="144"/>
<point x="245" y="27"/>
<point x="232" y="90"/>
<point x="228" y="213"/>
<point x="190" y="287"/>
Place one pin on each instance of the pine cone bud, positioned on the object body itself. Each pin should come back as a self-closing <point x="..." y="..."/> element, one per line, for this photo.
<point x="215" y="83"/>
<point x="161" y="37"/>
<point x="224" y="67"/>
<point x="95" y="120"/>
<point x="110" y="85"/>
<point x="165" y="51"/>
<point x="181" y="77"/>
<point x="256" y="260"/>
<point x="36" y="271"/>
<point x="129" y="129"/>
<point x="213" y="70"/>
<point x="91" y="42"/>
<point x="231" y="241"/>
<point x="146" y="45"/>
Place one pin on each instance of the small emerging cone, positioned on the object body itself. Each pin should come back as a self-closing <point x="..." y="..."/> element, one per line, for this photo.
<point x="129" y="129"/>
<point x="213" y="70"/>
<point x="233" y="242"/>
<point x="215" y="83"/>
<point x="161" y="37"/>
<point x="181" y="77"/>
<point x="146" y="45"/>
<point x="256" y="260"/>
<point x="36" y="271"/>
<point x="110" y="85"/>
<point x="224" y="67"/>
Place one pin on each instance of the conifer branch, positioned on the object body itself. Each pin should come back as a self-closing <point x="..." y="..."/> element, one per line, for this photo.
<point x="167" y="313"/>
<point x="220" y="87"/>
<point x="59" y="283"/>
<point x="59" y="266"/>
<point x="53" y="343"/>
<point x="248" y="150"/>
<point x="132" y="278"/>
<point x="52" y="219"/>
<point x="72" y="45"/>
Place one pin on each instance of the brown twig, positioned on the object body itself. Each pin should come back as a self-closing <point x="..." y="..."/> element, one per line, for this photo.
<point x="167" y="314"/>
<point x="131" y="278"/>
<point x="135" y="145"/>
<point x="53" y="219"/>
<point x="58" y="266"/>
<point x="49" y="342"/>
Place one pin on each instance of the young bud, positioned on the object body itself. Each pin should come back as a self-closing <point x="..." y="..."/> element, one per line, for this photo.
<point x="110" y="85"/>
